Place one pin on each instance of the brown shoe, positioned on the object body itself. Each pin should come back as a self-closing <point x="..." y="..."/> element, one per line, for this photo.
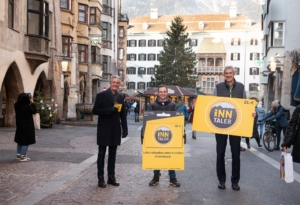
<point x="155" y="180"/>
<point x="174" y="182"/>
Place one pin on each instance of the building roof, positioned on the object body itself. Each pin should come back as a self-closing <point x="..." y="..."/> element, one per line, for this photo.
<point x="211" y="45"/>
<point x="211" y="22"/>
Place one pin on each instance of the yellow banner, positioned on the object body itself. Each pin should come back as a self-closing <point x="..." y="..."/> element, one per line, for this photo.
<point x="163" y="144"/>
<point x="232" y="116"/>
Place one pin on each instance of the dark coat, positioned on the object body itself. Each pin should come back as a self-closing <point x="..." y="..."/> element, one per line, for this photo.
<point x="288" y="137"/>
<point x="25" y="133"/>
<point x="278" y="115"/>
<point x="255" y="133"/>
<point x="168" y="105"/>
<point x="109" y="122"/>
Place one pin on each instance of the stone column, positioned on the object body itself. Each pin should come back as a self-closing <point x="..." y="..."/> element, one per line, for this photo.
<point x="73" y="98"/>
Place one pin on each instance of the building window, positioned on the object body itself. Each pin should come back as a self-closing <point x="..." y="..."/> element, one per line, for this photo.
<point x="131" y="57"/>
<point x="149" y="84"/>
<point x="254" y="71"/>
<point x="236" y="71"/>
<point x="121" y="32"/>
<point x="193" y="42"/>
<point x="142" y="43"/>
<point x="131" y="85"/>
<point x="121" y="53"/>
<point x="66" y="46"/>
<point x="106" y="2"/>
<point x="141" y="71"/>
<point x="253" y="87"/>
<point x="94" y="15"/>
<point x="210" y="62"/>
<point x="106" y="33"/>
<point x="95" y="55"/>
<point x="254" y="42"/>
<point x="235" y="41"/>
<point x="82" y="53"/>
<point x="142" y="57"/>
<point x="277" y="34"/>
<point x="131" y="43"/>
<point x="66" y="4"/>
<point x="141" y="85"/>
<point x="254" y="56"/>
<point x="82" y="13"/>
<point x="158" y="56"/>
<point x="160" y="43"/>
<point x="151" y="57"/>
<point x="151" y="43"/>
<point x="131" y="70"/>
<point x="202" y="62"/>
<point x="38" y="18"/>
<point x="235" y="56"/>
<point x="105" y="64"/>
<point x="150" y="71"/>
<point x="11" y="13"/>
<point x="209" y="82"/>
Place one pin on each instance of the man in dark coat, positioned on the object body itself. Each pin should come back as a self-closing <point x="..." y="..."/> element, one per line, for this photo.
<point x="25" y="133"/>
<point x="109" y="106"/>
<point x="232" y="89"/>
<point x="162" y="103"/>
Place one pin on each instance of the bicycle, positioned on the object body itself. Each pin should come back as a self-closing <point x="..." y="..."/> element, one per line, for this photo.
<point x="269" y="137"/>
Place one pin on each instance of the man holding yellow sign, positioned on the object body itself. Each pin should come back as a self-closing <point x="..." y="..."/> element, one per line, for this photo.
<point x="227" y="117"/>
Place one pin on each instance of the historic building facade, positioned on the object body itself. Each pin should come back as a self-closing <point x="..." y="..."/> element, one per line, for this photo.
<point x="30" y="44"/>
<point x="280" y="51"/>
<point x="217" y="40"/>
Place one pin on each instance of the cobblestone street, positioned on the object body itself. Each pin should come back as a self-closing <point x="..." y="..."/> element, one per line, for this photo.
<point x="62" y="170"/>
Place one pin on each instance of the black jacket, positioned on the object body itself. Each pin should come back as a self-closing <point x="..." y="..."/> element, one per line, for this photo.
<point x="290" y="132"/>
<point x="109" y="122"/>
<point x="168" y="105"/>
<point x="25" y="133"/>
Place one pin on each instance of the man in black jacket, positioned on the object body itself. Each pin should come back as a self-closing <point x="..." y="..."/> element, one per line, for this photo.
<point x="233" y="89"/>
<point x="109" y="106"/>
<point x="162" y="103"/>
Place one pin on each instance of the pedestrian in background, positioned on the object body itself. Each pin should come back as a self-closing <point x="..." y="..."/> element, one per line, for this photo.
<point x="231" y="89"/>
<point x="255" y="134"/>
<point x="25" y="133"/>
<point x="137" y="111"/>
<point x="292" y="135"/>
<point x="277" y="114"/>
<point x="191" y="113"/>
<point x="261" y="113"/>
<point x="182" y="108"/>
<point x="163" y="103"/>
<point x="109" y="106"/>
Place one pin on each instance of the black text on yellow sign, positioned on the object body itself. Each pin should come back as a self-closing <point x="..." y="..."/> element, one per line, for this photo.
<point x="232" y="116"/>
<point x="163" y="145"/>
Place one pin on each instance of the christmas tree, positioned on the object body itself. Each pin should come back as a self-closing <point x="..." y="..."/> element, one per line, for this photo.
<point x="177" y="59"/>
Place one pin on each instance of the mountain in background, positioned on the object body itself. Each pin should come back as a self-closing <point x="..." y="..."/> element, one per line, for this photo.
<point x="250" y="8"/>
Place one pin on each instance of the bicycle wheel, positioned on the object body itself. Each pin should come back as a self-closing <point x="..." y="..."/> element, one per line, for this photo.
<point x="269" y="141"/>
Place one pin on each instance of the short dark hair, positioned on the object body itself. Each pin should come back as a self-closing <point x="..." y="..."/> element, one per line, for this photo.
<point x="162" y="86"/>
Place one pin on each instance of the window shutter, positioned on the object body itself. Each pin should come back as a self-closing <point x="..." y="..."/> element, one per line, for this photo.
<point x="231" y="55"/>
<point x="239" y="41"/>
<point x="258" y="56"/>
<point x="256" y="42"/>
<point x="238" y="56"/>
<point x="196" y="42"/>
<point x="232" y="40"/>
<point x="128" y="44"/>
<point x="251" y="56"/>
<point x="154" y="43"/>
<point x="140" y="57"/>
<point x="140" y="42"/>
<point x="251" y="41"/>
<point x="154" y="57"/>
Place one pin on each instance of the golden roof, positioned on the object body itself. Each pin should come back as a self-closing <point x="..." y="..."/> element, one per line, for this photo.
<point x="211" y="45"/>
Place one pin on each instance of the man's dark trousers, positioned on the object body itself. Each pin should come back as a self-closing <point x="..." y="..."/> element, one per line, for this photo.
<point x="112" y="151"/>
<point x="235" y="143"/>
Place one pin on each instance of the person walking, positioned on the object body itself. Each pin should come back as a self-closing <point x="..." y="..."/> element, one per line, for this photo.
<point x="109" y="106"/>
<point x="260" y="111"/>
<point x="163" y="103"/>
<point x="277" y="114"/>
<point x="292" y="135"/>
<point x="182" y="108"/>
<point x="137" y="111"/>
<point x="191" y="112"/>
<point x="255" y="134"/>
<point x="25" y="132"/>
<point x="231" y="89"/>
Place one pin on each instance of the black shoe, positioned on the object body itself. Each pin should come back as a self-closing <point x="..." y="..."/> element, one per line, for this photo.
<point x="174" y="182"/>
<point x="101" y="182"/>
<point x="193" y="136"/>
<point x="259" y="145"/>
<point x="235" y="187"/>
<point x="248" y="146"/>
<point x="277" y="148"/>
<point x="112" y="180"/>
<point x="242" y="149"/>
<point x="155" y="180"/>
<point x="221" y="185"/>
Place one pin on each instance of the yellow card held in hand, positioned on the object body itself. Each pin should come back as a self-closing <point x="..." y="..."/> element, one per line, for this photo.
<point x="119" y="106"/>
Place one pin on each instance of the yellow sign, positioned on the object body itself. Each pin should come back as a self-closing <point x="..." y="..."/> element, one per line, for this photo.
<point x="119" y="106"/>
<point x="232" y="116"/>
<point x="163" y="144"/>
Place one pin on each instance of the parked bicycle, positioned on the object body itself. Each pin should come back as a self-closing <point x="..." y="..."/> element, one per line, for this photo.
<point x="269" y="137"/>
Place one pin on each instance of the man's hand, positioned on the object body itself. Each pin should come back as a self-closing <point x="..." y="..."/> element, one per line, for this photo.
<point x="254" y="114"/>
<point x="124" y="134"/>
<point x="285" y="148"/>
<point x="114" y="109"/>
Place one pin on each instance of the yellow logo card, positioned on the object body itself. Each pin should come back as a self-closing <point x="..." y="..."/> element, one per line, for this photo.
<point x="232" y="116"/>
